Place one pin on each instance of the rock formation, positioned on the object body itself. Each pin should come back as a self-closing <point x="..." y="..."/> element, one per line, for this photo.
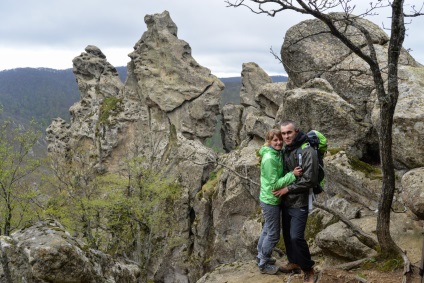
<point x="168" y="106"/>
<point x="45" y="252"/>
<point x="163" y="112"/>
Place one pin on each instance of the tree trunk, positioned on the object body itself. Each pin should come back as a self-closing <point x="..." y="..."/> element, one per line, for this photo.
<point x="386" y="198"/>
<point x="387" y="109"/>
<point x="8" y="217"/>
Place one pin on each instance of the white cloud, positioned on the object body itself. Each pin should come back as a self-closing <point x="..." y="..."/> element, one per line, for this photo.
<point x="50" y="33"/>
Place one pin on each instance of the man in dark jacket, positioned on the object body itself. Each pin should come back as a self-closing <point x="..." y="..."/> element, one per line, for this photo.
<point x="296" y="198"/>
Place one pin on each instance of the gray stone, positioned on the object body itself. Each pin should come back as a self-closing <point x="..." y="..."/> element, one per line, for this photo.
<point x="408" y="119"/>
<point x="270" y="98"/>
<point x="315" y="107"/>
<point x="45" y="252"/>
<point x="413" y="191"/>
<point x="231" y="126"/>
<point x="252" y="78"/>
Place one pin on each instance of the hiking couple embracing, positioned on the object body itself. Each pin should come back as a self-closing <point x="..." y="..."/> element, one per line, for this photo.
<point x="286" y="182"/>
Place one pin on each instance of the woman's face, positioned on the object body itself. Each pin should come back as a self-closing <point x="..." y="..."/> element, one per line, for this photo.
<point x="276" y="142"/>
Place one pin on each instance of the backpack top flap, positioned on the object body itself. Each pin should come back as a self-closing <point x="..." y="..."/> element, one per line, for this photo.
<point x="318" y="141"/>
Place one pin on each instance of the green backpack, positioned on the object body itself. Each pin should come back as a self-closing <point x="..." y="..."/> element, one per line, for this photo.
<point x="318" y="141"/>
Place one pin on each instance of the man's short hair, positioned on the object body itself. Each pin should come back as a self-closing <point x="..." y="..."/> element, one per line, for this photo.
<point x="290" y="122"/>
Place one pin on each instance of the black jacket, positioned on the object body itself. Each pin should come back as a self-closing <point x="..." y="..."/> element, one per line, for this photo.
<point x="299" y="190"/>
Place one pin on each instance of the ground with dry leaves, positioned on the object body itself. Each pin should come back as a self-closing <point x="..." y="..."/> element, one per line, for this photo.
<point x="247" y="272"/>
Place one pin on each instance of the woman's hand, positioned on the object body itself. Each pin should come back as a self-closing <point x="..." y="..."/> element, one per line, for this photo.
<point x="298" y="171"/>
<point x="280" y="192"/>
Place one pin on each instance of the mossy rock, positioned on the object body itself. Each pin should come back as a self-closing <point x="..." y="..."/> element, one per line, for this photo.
<point x="211" y="185"/>
<point x="110" y="105"/>
<point x="370" y="171"/>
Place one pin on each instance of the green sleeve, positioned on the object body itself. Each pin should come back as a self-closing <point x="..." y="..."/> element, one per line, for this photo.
<point x="272" y="172"/>
<point x="286" y="180"/>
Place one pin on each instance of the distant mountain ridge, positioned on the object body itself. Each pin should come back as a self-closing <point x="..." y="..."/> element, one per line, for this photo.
<point x="275" y="79"/>
<point x="43" y="93"/>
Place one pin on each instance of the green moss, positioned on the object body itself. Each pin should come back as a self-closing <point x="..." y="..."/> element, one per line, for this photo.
<point x="257" y="214"/>
<point x="314" y="225"/>
<point x="173" y="133"/>
<point x="109" y="106"/>
<point x="209" y="188"/>
<point x="213" y="175"/>
<point x="370" y="171"/>
<point x="56" y="229"/>
<point x="361" y="275"/>
<point x="333" y="151"/>
<point x="391" y="265"/>
<point x="383" y="265"/>
<point x="281" y="245"/>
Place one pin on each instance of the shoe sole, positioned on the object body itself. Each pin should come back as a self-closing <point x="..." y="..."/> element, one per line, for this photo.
<point x="294" y="271"/>
<point x="264" y="272"/>
<point x="271" y="261"/>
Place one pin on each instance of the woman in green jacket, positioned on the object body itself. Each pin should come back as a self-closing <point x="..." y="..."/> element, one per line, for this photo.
<point x="272" y="178"/>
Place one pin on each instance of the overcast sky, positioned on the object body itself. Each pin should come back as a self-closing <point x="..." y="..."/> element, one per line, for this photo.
<point x="50" y="33"/>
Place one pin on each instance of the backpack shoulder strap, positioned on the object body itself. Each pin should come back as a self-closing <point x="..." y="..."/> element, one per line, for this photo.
<point x="299" y="152"/>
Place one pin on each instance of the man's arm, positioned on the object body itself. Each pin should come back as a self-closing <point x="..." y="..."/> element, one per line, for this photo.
<point x="309" y="178"/>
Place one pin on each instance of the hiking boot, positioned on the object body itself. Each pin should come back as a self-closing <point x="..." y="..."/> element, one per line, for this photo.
<point x="309" y="276"/>
<point x="290" y="268"/>
<point x="268" y="269"/>
<point x="271" y="260"/>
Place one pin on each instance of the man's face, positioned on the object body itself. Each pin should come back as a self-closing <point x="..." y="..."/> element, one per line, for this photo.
<point x="289" y="133"/>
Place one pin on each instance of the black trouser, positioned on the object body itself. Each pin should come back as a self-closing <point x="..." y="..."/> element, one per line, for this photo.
<point x="294" y="224"/>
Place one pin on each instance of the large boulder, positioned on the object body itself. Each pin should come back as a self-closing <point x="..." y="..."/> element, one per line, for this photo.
<point x="316" y="106"/>
<point x="309" y="50"/>
<point x="413" y="191"/>
<point x="354" y="179"/>
<point x="338" y="240"/>
<point x="408" y="119"/>
<point x="45" y="252"/>
<point x="270" y="98"/>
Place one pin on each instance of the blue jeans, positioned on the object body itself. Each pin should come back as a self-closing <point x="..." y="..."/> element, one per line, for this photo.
<point x="270" y="232"/>
<point x="294" y="224"/>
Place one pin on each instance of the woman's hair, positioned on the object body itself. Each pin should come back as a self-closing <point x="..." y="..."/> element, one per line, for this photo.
<point x="270" y="135"/>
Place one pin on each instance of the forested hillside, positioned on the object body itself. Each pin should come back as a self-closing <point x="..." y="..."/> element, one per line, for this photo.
<point x="42" y="94"/>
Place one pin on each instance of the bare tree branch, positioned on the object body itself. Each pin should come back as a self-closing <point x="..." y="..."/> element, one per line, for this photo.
<point x="365" y="238"/>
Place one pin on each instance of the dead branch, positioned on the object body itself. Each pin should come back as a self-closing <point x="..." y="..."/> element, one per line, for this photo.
<point x="230" y="169"/>
<point x="351" y="265"/>
<point x="364" y="237"/>
<point x="368" y="240"/>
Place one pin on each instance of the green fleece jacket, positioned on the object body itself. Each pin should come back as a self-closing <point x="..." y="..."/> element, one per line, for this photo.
<point x="272" y="175"/>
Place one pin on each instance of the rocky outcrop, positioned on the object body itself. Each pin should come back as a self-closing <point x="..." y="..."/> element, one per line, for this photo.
<point x="168" y="105"/>
<point x="162" y="113"/>
<point x="408" y="120"/>
<point x="231" y="126"/>
<point x="253" y="77"/>
<point x="45" y="252"/>
<point x="309" y="51"/>
<point x="316" y="106"/>
<point x="342" y="105"/>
